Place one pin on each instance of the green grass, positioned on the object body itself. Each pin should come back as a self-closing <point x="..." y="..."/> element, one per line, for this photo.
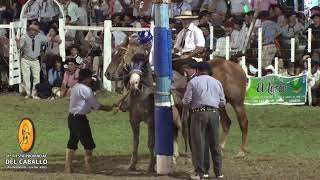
<point x="280" y="131"/>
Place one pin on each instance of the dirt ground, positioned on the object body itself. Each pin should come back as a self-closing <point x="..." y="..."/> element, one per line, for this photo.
<point x="258" y="168"/>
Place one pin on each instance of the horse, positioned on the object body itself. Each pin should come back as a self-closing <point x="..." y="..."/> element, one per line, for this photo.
<point x="139" y="89"/>
<point x="230" y="74"/>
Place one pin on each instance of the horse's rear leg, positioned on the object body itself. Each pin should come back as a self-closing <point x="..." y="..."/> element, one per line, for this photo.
<point x="151" y="142"/>
<point x="136" y="133"/>
<point x="225" y="123"/>
<point x="243" y="123"/>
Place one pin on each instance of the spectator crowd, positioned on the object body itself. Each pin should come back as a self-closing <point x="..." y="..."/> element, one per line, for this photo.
<point x="84" y="49"/>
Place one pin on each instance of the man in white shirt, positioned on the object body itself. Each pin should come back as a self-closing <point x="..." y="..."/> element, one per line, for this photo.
<point x="190" y="41"/>
<point x="82" y="101"/>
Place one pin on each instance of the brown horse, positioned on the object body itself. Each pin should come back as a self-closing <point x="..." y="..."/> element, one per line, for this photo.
<point x="138" y="95"/>
<point x="230" y="74"/>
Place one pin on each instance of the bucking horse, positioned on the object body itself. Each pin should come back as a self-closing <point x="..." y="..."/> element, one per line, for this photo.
<point x="130" y="65"/>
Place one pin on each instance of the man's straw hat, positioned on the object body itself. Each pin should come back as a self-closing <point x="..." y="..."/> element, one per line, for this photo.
<point x="186" y="15"/>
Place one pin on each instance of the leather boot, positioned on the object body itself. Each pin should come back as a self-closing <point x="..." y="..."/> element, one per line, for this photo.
<point x="69" y="156"/>
<point x="87" y="161"/>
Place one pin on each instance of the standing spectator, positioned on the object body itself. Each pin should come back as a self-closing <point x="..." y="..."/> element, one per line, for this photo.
<point x="48" y="10"/>
<point x="204" y="95"/>
<point x="292" y="30"/>
<point x="237" y="6"/>
<point x="179" y="6"/>
<point x="83" y="9"/>
<point x="142" y="8"/>
<point x="204" y="17"/>
<point x="270" y="31"/>
<point x="71" y="9"/>
<point x="218" y="7"/>
<point x="70" y="35"/>
<point x="315" y="43"/>
<point x="70" y="77"/>
<point x="262" y="5"/>
<point x="276" y="14"/>
<point x="32" y="10"/>
<point x="18" y="4"/>
<point x="30" y="44"/>
<point x="53" y="46"/>
<point x="190" y="40"/>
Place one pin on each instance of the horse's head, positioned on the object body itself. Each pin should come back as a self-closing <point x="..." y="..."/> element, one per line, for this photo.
<point x="122" y="65"/>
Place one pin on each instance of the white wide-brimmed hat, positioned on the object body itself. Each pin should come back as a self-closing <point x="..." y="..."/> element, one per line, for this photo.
<point x="186" y="15"/>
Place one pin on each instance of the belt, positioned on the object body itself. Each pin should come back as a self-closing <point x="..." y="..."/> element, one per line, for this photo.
<point x="74" y="114"/>
<point x="29" y="59"/>
<point x="204" y="109"/>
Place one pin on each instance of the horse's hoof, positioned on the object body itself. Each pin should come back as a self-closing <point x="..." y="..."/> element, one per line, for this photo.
<point x="174" y="161"/>
<point x="241" y="154"/>
<point x="151" y="170"/>
<point x="132" y="168"/>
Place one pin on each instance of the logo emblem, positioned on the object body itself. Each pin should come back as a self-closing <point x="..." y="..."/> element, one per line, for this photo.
<point x="26" y="135"/>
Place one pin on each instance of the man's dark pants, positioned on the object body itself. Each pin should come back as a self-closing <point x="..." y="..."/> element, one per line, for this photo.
<point x="79" y="129"/>
<point x="204" y="133"/>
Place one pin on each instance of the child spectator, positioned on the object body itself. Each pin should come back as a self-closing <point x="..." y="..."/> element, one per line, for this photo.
<point x="51" y="87"/>
<point x="74" y="54"/>
<point x="53" y="47"/>
<point x="70" y="77"/>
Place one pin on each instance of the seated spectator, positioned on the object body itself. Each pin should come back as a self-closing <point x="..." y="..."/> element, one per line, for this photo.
<point x="74" y="54"/>
<point x="117" y="20"/>
<point x="51" y="87"/>
<point x="248" y="18"/>
<point x="129" y="21"/>
<point x="70" y="77"/>
<point x="145" y="21"/>
<point x="315" y="42"/>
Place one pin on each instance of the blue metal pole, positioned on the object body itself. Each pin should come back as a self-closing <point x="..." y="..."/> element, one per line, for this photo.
<point x="163" y="72"/>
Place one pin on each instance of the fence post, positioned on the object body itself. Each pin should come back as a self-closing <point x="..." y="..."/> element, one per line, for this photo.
<point x="309" y="66"/>
<point x="228" y="48"/>
<point x="211" y="41"/>
<point x="243" y="64"/>
<point x="62" y="46"/>
<point x="276" y="65"/>
<point x="259" y="52"/>
<point x="163" y="72"/>
<point x="107" y="53"/>
<point x="293" y="49"/>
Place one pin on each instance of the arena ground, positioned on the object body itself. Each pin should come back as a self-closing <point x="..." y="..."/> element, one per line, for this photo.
<point x="284" y="142"/>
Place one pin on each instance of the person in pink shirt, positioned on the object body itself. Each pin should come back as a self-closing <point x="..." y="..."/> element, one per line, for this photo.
<point x="70" y="77"/>
<point x="262" y="5"/>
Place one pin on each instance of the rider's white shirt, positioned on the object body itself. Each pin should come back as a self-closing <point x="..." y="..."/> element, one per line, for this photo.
<point x="194" y="38"/>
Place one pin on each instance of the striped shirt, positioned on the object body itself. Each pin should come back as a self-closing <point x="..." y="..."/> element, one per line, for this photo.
<point x="31" y="47"/>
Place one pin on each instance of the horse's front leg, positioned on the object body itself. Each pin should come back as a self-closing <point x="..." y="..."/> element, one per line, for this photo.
<point x="135" y="126"/>
<point x="151" y="144"/>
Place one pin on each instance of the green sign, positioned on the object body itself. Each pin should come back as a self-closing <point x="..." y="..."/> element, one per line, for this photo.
<point x="275" y="89"/>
